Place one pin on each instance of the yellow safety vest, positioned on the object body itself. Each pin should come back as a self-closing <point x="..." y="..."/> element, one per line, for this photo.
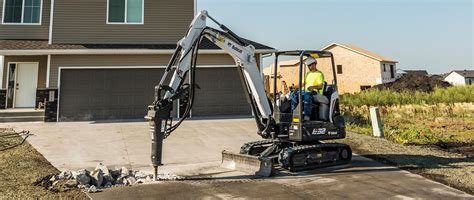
<point x="313" y="79"/>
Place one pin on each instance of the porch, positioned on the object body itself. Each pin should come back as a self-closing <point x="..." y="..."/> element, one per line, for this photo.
<point x="23" y="79"/>
<point x="21" y="115"/>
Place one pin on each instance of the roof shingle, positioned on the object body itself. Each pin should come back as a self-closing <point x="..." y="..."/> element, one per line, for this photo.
<point x="43" y="45"/>
<point x="465" y="73"/>
<point x="362" y="51"/>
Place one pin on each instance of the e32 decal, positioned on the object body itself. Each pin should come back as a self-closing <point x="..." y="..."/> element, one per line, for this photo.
<point x="319" y="131"/>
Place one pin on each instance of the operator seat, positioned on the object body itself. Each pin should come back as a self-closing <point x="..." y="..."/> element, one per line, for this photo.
<point x="322" y="102"/>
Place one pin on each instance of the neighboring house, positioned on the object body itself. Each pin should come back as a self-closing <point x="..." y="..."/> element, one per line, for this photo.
<point x="460" y="77"/>
<point x="402" y="72"/>
<point x="356" y="69"/>
<point x="101" y="59"/>
<point x="418" y="72"/>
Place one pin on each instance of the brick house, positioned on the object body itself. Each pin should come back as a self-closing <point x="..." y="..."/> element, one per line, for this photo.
<point x="100" y="59"/>
<point x="356" y="69"/>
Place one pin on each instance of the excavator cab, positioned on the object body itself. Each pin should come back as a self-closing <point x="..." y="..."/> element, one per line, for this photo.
<point x="297" y="144"/>
<point x="326" y="121"/>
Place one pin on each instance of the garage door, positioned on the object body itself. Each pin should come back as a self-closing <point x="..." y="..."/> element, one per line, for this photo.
<point x="103" y="94"/>
<point x="221" y="93"/>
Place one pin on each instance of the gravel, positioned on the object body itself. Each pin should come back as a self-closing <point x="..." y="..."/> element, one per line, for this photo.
<point x="455" y="170"/>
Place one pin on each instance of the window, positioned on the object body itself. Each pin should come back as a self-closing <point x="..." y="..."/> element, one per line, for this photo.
<point x="339" y="69"/>
<point x="392" y="71"/>
<point x="22" y="11"/>
<point x="384" y="69"/>
<point x="125" y="12"/>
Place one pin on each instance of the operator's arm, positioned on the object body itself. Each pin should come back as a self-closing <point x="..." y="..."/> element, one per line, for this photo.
<point x="317" y="87"/>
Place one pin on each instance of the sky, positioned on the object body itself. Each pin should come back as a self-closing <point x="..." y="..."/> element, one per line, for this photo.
<point x="436" y="35"/>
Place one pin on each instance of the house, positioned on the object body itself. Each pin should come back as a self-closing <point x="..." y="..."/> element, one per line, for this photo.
<point x="460" y="77"/>
<point x="356" y="69"/>
<point x="101" y="59"/>
<point x="402" y="72"/>
<point x="418" y="72"/>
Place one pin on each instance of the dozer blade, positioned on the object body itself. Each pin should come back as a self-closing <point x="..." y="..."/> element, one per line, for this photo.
<point x="246" y="163"/>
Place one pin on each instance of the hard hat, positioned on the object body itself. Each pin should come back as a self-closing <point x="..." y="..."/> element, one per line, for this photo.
<point x="310" y="61"/>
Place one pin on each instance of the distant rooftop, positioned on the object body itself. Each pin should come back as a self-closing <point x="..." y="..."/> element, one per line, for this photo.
<point x="465" y="73"/>
<point x="362" y="51"/>
<point x="419" y="72"/>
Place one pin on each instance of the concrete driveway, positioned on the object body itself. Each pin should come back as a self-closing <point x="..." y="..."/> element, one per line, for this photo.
<point x="195" y="149"/>
<point x="77" y="145"/>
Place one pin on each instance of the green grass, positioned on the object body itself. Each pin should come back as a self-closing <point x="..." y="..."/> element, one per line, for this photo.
<point x="417" y="124"/>
<point x="445" y="115"/>
<point x="455" y="94"/>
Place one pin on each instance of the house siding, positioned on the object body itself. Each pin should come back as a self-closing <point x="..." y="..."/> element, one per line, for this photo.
<point x="84" y="22"/>
<point x="42" y="70"/>
<point x="290" y="74"/>
<point x="386" y="75"/>
<point x="27" y="32"/>
<point x="358" y="70"/>
<point x="124" y="60"/>
<point x="456" y="79"/>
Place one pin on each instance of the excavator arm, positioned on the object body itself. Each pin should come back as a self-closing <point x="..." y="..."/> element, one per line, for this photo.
<point x="182" y="65"/>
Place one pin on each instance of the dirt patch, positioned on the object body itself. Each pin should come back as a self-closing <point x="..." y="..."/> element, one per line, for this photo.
<point x="414" y="82"/>
<point x="463" y="148"/>
<point x="449" y="168"/>
<point x="21" y="167"/>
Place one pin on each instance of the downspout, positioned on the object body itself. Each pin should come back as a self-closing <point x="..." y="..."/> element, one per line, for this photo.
<point x="51" y="17"/>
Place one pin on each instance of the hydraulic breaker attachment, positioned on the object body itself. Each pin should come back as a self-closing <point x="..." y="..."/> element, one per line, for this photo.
<point x="254" y="165"/>
<point x="157" y="118"/>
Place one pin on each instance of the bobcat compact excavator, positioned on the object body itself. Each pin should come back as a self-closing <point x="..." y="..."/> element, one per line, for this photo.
<point x="289" y="142"/>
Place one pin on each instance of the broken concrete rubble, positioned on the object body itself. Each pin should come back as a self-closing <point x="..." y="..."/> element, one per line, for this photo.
<point x="82" y="176"/>
<point x="101" y="177"/>
<point x="71" y="183"/>
<point x="65" y="175"/>
<point x="92" y="189"/>
<point x="97" y="177"/>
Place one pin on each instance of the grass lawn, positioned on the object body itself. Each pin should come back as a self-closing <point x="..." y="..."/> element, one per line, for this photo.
<point x="21" y="167"/>
<point x="418" y="124"/>
<point x="445" y="115"/>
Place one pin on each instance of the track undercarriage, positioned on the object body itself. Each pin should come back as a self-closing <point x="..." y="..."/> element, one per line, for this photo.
<point x="295" y="157"/>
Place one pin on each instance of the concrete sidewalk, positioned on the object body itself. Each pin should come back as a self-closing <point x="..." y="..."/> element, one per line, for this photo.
<point x="195" y="149"/>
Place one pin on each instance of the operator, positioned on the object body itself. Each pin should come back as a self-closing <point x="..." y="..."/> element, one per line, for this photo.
<point x="313" y="83"/>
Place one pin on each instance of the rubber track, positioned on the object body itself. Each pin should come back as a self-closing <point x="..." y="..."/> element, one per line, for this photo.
<point x="245" y="149"/>
<point x="287" y="154"/>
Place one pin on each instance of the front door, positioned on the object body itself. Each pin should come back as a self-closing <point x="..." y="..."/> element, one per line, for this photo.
<point x="26" y="83"/>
